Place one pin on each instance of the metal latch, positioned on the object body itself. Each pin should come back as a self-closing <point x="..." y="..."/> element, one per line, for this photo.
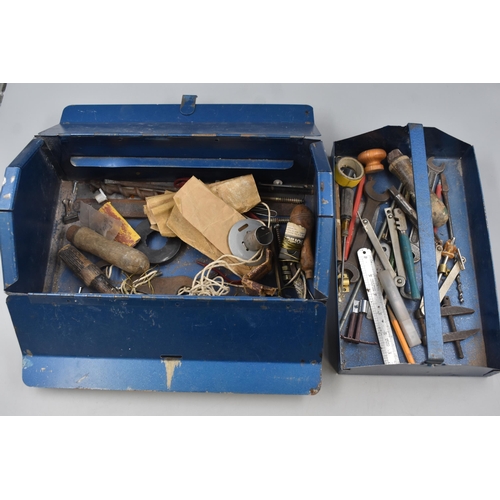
<point x="188" y="104"/>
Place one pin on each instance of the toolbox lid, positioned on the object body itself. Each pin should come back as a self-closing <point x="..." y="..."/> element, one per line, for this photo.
<point x="188" y="119"/>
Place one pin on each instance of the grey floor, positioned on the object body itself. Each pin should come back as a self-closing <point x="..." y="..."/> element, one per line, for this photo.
<point x="468" y="112"/>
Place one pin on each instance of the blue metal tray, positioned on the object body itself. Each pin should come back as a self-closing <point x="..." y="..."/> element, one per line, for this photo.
<point x="481" y="351"/>
<point x="151" y="342"/>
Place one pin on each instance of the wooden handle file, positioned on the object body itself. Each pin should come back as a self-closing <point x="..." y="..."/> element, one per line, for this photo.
<point x="87" y="271"/>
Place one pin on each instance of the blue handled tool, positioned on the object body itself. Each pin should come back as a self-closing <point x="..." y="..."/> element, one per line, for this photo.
<point x="406" y="252"/>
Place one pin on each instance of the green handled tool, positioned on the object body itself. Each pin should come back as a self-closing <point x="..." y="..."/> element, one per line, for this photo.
<point x="406" y="252"/>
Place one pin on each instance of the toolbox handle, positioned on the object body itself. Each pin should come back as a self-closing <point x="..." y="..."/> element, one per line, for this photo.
<point x="435" y="352"/>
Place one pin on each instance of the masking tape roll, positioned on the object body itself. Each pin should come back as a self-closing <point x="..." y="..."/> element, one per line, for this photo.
<point x="342" y="179"/>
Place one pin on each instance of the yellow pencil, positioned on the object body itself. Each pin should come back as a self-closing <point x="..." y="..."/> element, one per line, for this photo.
<point x="400" y="335"/>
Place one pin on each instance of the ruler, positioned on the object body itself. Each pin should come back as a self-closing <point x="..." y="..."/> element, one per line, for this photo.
<point x="377" y="304"/>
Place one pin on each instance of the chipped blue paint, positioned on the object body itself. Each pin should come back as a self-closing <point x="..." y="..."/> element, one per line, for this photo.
<point x="435" y="354"/>
<point x="223" y="344"/>
<point x="188" y="376"/>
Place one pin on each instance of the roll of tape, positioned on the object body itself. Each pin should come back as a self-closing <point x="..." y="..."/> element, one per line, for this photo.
<point x="342" y="179"/>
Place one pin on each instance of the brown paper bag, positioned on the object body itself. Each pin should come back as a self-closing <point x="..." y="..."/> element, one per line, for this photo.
<point x="207" y="213"/>
<point x="241" y="193"/>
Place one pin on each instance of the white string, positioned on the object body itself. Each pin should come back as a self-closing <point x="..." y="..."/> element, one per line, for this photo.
<point x="204" y="285"/>
<point x="130" y="288"/>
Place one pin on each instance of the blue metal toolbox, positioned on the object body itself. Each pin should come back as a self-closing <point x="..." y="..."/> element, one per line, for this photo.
<point x="73" y="338"/>
<point x="474" y="296"/>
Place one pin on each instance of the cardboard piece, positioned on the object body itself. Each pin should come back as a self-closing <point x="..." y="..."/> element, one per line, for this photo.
<point x="158" y="209"/>
<point x="126" y="235"/>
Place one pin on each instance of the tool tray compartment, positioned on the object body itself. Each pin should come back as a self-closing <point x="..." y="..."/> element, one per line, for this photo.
<point x="481" y="350"/>
<point x="235" y="343"/>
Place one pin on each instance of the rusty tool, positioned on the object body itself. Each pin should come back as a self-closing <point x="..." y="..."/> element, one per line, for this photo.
<point x="360" y="307"/>
<point x="139" y="192"/>
<point x="127" y="208"/>
<point x="70" y="215"/>
<point x="450" y="312"/>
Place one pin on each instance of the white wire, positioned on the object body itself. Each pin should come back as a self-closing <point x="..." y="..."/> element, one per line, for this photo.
<point x="295" y="276"/>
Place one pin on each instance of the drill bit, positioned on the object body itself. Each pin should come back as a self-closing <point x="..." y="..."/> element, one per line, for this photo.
<point x="445" y="189"/>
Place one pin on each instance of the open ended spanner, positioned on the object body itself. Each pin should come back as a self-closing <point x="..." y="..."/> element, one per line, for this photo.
<point x="433" y="172"/>
<point x="398" y="280"/>
<point x="373" y="201"/>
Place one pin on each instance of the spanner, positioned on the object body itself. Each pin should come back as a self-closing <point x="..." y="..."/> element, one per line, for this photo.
<point x="398" y="280"/>
<point x="396" y="249"/>
<point x="373" y="201"/>
<point x="434" y="170"/>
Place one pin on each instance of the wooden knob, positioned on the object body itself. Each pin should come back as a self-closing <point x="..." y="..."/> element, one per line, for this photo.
<point x="371" y="159"/>
<point x="302" y="216"/>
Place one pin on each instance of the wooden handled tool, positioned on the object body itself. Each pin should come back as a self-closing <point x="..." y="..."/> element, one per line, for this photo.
<point x="302" y="216"/>
<point x="87" y="271"/>
<point x="129" y="259"/>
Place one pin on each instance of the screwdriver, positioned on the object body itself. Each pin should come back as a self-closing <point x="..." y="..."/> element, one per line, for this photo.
<point x="346" y="206"/>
